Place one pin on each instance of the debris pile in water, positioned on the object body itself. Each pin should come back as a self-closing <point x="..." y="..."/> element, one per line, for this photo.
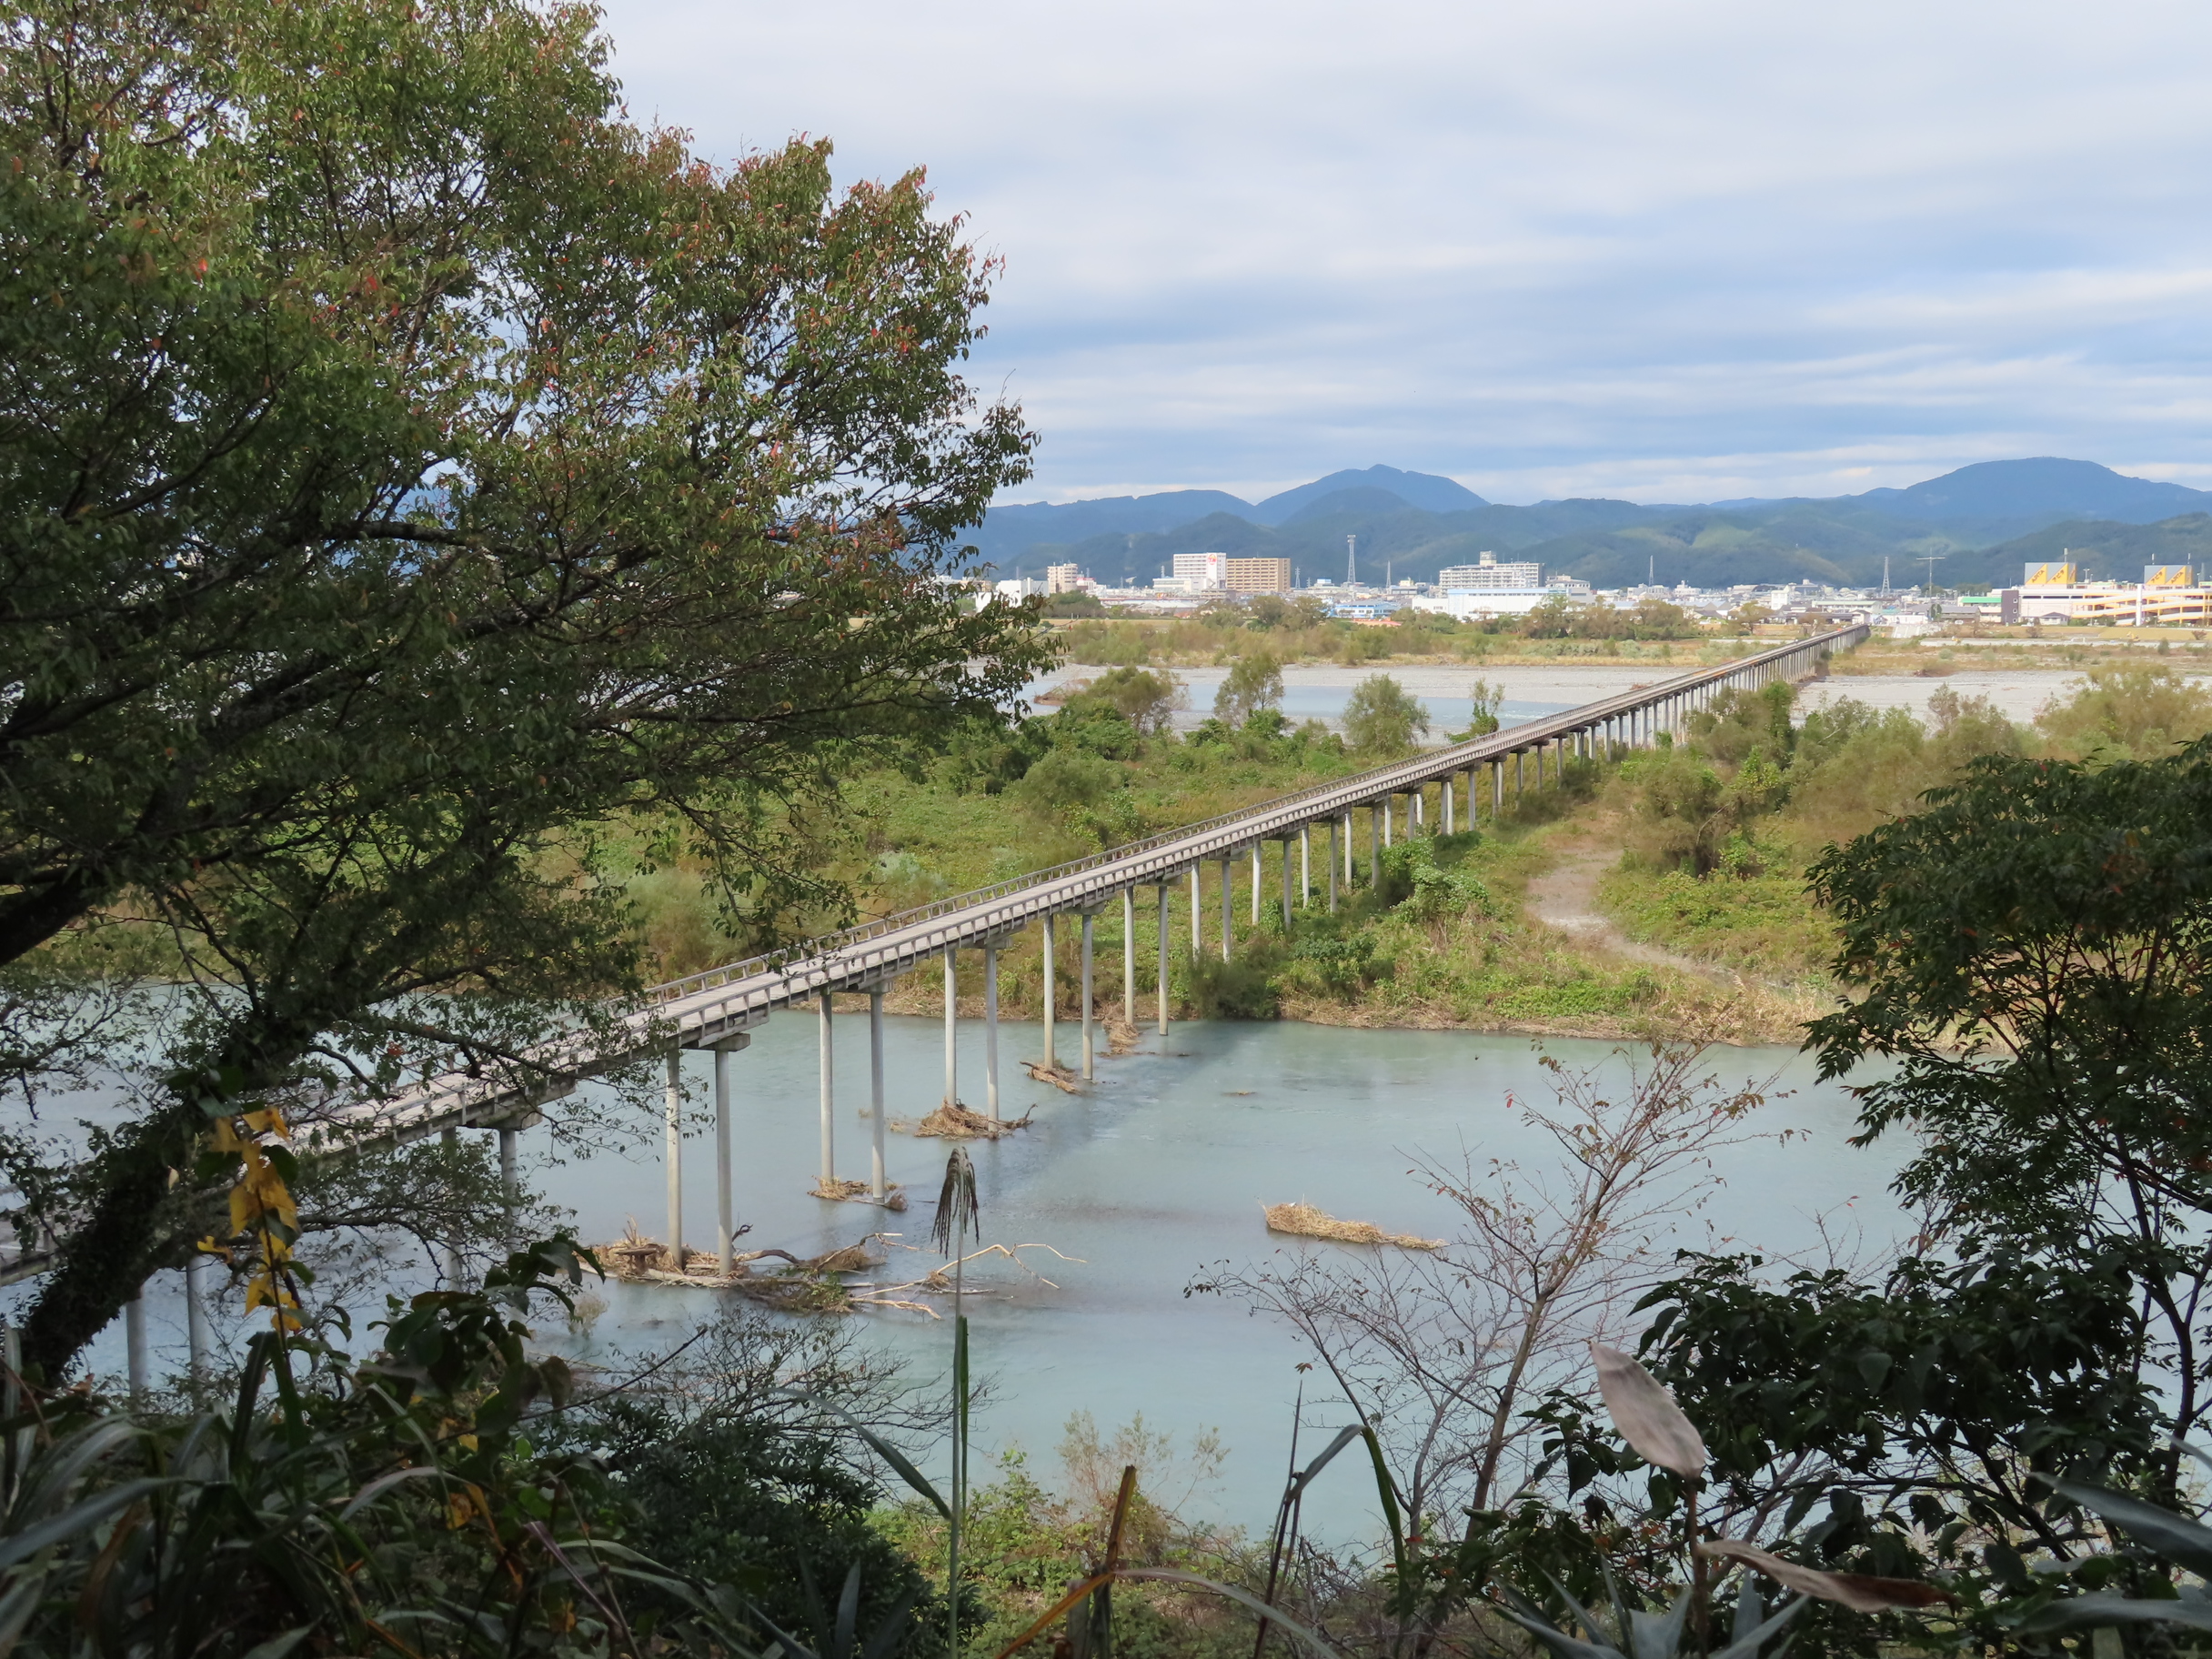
<point x="956" y="1122"/>
<point x="1307" y="1223"/>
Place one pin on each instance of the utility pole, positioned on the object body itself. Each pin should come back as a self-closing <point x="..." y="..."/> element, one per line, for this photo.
<point x="1929" y="561"/>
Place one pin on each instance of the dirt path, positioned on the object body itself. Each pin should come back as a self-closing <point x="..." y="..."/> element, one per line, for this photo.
<point x="1565" y="897"/>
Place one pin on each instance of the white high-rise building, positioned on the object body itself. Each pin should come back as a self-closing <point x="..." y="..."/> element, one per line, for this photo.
<point x="1489" y="574"/>
<point x="1202" y="570"/>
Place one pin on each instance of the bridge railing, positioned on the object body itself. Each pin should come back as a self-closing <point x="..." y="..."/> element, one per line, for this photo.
<point x="1436" y="763"/>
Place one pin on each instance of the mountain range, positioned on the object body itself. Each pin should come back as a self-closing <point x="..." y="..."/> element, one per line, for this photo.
<point x="1977" y="525"/>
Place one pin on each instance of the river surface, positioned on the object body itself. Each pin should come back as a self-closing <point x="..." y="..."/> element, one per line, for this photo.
<point x="1318" y="691"/>
<point x="1155" y="1175"/>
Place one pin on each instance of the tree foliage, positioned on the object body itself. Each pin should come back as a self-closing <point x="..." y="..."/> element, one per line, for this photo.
<point x="2031" y="957"/>
<point x="1382" y="718"/>
<point x="410" y="470"/>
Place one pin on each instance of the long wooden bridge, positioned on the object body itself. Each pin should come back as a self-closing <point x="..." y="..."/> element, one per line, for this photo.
<point x="1317" y="831"/>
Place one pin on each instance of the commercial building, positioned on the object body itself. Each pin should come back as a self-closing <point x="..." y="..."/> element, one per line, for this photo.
<point x="1487" y="573"/>
<point x="2167" y="597"/>
<point x="1063" y="579"/>
<point x="1196" y="572"/>
<point x="1203" y="573"/>
<point x="1258" y="575"/>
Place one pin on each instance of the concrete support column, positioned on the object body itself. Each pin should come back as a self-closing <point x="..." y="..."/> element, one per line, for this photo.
<point x="1286" y="886"/>
<point x="1161" y="1011"/>
<point x="199" y="1341"/>
<point x="134" y="1349"/>
<point x="1333" y="861"/>
<point x="953" y="1027"/>
<point x="1374" y="842"/>
<point x="672" y="1112"/>
<point x="1417" y="814"/>
<point x="1129" y="955"/>
<point x="1518" y="755"/>
<point x="1451" y="806"/>
<point x="829" y="1077"/>
<point x="1052" y="1060"/>
<point x="1497" y="790"/>
<point x="453" y="1268"/>
<point x="1228" y="900"/>
<point x="725" y="1217"/>
<point x="1347" y="847"/>
<point x="1088" y="1054"/>
<point x="1257" y="884"/>
<point x="1305" y="866"/>
<point x="1389" y="815"/>
<point x="990" y="1029"/>
<point x="877" y="1187"/>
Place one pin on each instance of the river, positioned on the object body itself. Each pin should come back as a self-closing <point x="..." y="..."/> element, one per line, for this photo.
<point x="1154" y="1175"/>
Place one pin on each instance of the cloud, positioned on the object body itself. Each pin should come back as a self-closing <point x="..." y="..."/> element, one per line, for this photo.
<point x="1701" y="248"/>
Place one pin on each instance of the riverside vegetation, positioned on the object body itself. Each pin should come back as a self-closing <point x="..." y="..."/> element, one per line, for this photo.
<point x="1683" y="866"/>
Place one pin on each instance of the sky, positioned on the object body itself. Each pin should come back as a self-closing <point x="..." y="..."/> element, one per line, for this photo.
<point x="1658" y="249"/>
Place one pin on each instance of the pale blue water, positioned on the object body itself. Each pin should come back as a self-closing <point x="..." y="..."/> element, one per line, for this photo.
<point x="1157" y="1173"/>
<point x="1308" y="698"/>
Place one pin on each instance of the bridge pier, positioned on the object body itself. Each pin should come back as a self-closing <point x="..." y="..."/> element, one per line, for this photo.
<point x="455" y="1268"/>
<point x="1128" y="956"/>
<point x="828" y="1125"/>
<point x="1227" y="900"/>
<point x="1259" y="884"/>
<point x="134" y="1348"/>
<point x="1161" y="1011"/>
<point x="990" y="1029"/>
<point x="1305" y="866"/>
<point x="1051" y="1061"/>
<point x="1451" y="805"/>
<point x="725" y="1228"/>
<point x="199" y="1340"/>
<point x="1332" y="858"/>
<point x="1088" y="1053"/>
<point x="953" y="1028"/>
<point x="1286" y="887"/>
<point x="1390" y="815"/>
<point x="672" y="1104"/>
<point x="876" y="1114"/>
<point x="1374" y="844"/>
<point x="1198" y="925"/>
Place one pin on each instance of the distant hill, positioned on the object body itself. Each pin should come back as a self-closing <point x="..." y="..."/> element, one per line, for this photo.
<point x="2105" y="551"/>
<point x="1984" y="521"/>
<point x="2046" y="487"/>
<point x="1424" y="490"/>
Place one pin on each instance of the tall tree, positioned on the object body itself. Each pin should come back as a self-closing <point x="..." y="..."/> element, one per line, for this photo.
<point x="2033" y="955"/>
<point x="408" y="470"/>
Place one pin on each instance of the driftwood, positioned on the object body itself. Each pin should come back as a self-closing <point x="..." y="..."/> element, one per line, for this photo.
<point x="1307" y="1223"/>
<point x="956" y="1122"/>
<point x="1059" y="1077"/>
<point x="856" y="1192"/>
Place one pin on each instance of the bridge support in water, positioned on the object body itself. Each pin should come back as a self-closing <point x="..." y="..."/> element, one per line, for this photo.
<point x="1162" y="1009"/>
<point x="952" y="1029"/>
<point x="1089" y="1052"/>
<point x="1128" y="956"/>
<point x="990" y="1029"/>
<point x="829" y="1124"/>
<point x="1052" y="1062"/>
<point x="673" y="1107"/>
<point x="876" y="1186"/>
